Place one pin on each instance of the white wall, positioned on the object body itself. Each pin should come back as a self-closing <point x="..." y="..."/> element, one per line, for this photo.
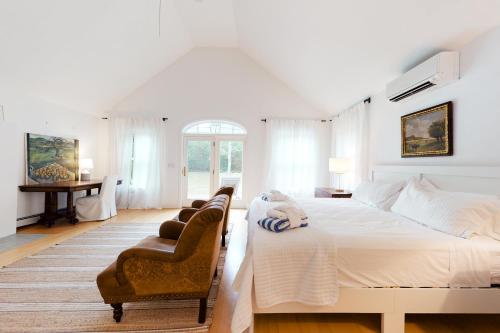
<point x="476" y="103"/>
<point x="217" y="83"/>
<point x="32" y="115"/>
<point x="8" y="179"/>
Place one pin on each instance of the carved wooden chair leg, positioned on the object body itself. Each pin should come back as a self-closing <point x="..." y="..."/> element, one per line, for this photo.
<point x="203" y="310"/>
<point x="117" y="311"/>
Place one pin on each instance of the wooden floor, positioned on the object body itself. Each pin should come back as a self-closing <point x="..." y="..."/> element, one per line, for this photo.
<point x="282" y="323"/>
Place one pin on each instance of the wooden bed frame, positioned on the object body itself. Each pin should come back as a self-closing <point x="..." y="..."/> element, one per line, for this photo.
<point x="394" y="303"/>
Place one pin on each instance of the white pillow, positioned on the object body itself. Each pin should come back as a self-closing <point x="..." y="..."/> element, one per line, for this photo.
<point x="378" y="194"/>
<point x="455" y="213"/>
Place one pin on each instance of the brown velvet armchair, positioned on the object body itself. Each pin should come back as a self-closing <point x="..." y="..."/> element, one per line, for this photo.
<point x="180" y="263"/>
<point x="186" y="213"/>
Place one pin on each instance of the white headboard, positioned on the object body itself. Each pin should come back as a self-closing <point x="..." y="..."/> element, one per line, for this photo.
<point x="485" y="180"/>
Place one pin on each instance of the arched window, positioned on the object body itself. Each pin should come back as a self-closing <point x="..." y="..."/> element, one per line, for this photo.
<point x="214" y="127"/>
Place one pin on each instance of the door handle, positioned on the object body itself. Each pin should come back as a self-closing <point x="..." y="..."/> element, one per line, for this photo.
<point x="184" y="171"/>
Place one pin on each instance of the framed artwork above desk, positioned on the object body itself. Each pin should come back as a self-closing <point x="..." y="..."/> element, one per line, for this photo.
<point x="51" y="159"/>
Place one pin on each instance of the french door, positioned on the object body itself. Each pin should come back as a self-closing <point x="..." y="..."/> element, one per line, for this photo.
<point x="210" y="162"/>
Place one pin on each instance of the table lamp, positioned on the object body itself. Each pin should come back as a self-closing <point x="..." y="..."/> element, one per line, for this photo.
<point x="339" y="166"/>
<point x="86" y="164"/>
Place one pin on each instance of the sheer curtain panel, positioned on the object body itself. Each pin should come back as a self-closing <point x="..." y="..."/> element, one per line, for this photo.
<point x="294" y="158"/>
<point x="138" y="151"/>
<point x="350" y="139"/>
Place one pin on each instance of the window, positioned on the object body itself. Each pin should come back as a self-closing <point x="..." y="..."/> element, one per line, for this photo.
<point x="214" y="127"/>
<point x="139" y="166"/>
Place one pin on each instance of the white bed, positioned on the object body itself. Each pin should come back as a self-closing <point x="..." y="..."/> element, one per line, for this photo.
<point x="354" y="258"/>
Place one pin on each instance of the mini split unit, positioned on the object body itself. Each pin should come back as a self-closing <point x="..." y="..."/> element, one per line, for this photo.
<point x="437" y="71"/>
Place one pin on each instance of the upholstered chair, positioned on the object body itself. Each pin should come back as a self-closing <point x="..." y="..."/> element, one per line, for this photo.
<point x="179" y="264"/>
<point x="197" y="204"/>
<point x="101" y="206"/>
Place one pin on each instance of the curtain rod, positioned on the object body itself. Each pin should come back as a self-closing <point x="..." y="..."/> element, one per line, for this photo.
<point x="322" y="120"/>
<point x="163" y="118"/>
<point x="367" y="100"/>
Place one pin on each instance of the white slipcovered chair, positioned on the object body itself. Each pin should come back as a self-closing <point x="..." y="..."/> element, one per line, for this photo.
<point x="101" y="206"/>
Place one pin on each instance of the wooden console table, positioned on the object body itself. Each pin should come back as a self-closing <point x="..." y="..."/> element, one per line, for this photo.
<point x="328" y="192"/>
<point x="51" y="189"/>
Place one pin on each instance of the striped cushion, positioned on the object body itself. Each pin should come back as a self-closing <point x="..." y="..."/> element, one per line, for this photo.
<point x="276" y="224"/>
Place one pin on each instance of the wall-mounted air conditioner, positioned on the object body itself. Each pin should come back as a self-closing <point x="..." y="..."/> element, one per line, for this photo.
<point x="437" y="71"/>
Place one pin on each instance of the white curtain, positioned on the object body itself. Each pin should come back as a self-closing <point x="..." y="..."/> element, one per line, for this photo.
<point x="138" y="151"/>
<point x="350" y="139"/>
<point x="295" y="162"/>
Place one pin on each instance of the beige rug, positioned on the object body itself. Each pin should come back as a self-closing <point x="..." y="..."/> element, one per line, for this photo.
<point x="55" y="290"/>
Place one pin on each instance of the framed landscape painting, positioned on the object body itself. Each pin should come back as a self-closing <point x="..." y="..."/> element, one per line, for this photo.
<point x="50" y="159"/>
<point x="428" y="132"/>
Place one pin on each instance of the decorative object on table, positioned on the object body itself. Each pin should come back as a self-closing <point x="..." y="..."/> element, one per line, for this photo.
<point x="340" y="166"/>
<point x="101" y="206"/>
<point x="428" y="132"/>
<point x="329" y="192"/>
<point x="50" y="159"/>
<point x="86" y="164"/>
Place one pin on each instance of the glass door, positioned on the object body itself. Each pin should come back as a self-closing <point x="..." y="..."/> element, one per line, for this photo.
<point x="198" y="170"/>
<point x="209" y="163"/>
<point x="230" y="166"/>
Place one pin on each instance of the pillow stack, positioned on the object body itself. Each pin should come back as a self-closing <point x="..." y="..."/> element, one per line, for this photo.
<point x="378" y="194"/>
<point x="455" y="213"/>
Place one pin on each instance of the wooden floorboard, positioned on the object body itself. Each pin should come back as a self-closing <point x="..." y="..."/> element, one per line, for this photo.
<point x="268" y="323"/>
<point x="62" y="231"/>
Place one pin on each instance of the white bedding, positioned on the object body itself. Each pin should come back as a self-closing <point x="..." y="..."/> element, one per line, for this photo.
<point x="364" y="247"/>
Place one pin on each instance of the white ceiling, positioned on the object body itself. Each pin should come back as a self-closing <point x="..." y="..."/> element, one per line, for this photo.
<point x="209" y="22"/>
<point x="86" y="54"/>
<point x="89" y="54"/>
<point x="335" y="53"/>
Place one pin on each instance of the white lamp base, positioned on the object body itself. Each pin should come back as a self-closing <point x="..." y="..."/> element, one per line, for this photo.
<point x="85" y="176"/>
<point x="340" y="190"/>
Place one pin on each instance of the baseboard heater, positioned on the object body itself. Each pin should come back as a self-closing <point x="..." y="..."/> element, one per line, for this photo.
<point x="59" y="211"/>
<point x="28" y="217"/>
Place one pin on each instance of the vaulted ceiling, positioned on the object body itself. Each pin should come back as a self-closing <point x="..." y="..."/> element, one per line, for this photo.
<point x="89" y="54"/>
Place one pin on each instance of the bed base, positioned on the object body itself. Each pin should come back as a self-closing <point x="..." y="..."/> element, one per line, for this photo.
<point x="394" y="303"/>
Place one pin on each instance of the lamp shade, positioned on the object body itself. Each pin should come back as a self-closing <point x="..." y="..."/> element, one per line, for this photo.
<point x="339" y="165"/>
<point x="86" y="163"/>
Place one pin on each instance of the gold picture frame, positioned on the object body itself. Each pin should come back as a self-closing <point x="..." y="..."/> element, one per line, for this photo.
<point x="428" y="132"/>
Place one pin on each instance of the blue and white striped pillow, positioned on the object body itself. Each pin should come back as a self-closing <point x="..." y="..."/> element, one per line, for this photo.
<point x="277" y="225"/>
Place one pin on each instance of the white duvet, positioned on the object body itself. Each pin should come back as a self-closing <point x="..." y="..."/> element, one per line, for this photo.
<point x="349" y="244"/>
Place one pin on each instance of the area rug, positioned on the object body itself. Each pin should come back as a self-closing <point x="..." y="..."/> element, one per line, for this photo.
<point x="55" y="290"/>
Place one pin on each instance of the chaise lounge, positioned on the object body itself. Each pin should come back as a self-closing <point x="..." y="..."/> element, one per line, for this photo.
<point x="186" y="213"/>
<point x="179" y="264"/>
